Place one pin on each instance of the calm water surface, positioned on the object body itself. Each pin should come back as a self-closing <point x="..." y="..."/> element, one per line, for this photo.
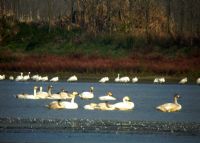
<point x="51" y="137"/>
<point x="145" y="96"/>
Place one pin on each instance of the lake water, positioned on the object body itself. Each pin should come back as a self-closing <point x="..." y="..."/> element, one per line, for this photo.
<point x="145" y="96"/>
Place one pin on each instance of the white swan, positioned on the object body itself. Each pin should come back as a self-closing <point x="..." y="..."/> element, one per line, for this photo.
<point x="41" y="94"/>
<point x="54" y="95"/>
<point x="70" y="105"/>
<point x="65" y="95"/>
<point x="106" y="106"/>
<point x="55" y="105"/>
<point x="161" y="80"/>
<point x="91" y="106"/>
<point x="45" y="78"/>
<point x="54" y="79"/>
<point x="104" y="79"/>
<point x="198" y="80"/>
<point x="100" y="106"/>
<point x="34" y="77"/>
<point x="19" y="77"/>
<point x="125" y="105"/>
<point x="124" y="79"/>
<point x="11" y="78"/>
<point x="64" y="104"/>
<point x="72" y="78"/>
<point x="156" y="80"/>
<point x="38" y="78"/>
<point x="28" y="96"/>
<point x="2" y="77"/>
<point x="183" y="81"/>
<point x="107" y="97"/>
<point x="87" y="94"/>
<point x="26" y="77"/>
<point x="135" y="79"/>
<point x="170" y="107"/>
<point x="117" y="79"/>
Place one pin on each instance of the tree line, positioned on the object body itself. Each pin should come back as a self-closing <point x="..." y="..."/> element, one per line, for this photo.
<point x="178" y="20"/>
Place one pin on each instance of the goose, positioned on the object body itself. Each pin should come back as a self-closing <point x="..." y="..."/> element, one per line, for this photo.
<point x="170" y="107"/>
<point x="135" y="79"/>
<point x="55" y="79"/>
<point x="11" y="78"/>
<point x="87" y="94"/>
<point x="198" y="80"/>
<point x="70" y="105"/>
<point x="28" y="96"/>
<point x="91" y="106"/>
<point x="107" y="97"/>
<point x="106" y="106"/>
<point x="117" y="79"/>
<point x="41" y="94"/>
<point x="183" y="81"/>
<point x="104" y="79"/>
<point x="124" y="79"/>
<point x="72" y="78"/>
<point x="125" y="105"/>
<point x="2" y="77"/>
<point x="19" y="77"/>
<point x="26" y="77"/>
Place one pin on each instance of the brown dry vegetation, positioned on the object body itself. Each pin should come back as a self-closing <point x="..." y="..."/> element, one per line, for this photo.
<point x="157" y="36"/>
<point x="95" y="64"/>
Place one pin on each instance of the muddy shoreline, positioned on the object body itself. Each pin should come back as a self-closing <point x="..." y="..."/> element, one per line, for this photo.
<point x="104" y="126"/>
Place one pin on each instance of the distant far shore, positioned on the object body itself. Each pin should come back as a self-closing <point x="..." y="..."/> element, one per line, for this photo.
<point x="91" y="68"/>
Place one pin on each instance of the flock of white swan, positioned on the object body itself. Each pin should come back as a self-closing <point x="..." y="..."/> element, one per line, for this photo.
<point x="124" y="79"/>
<point x="61" y="100"/>
<point x="126" y="104"/>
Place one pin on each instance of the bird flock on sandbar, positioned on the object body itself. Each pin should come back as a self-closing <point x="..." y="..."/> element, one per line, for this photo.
<point x="66" y="100"/>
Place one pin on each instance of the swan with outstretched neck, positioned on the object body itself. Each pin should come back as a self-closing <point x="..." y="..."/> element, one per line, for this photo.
<point x="19" y="77"/>
<point x="41" y="94"/>
<point x="54" y="95"/>
<point x="117" y="79"/>
<point x="28" y="96"/>
<point x="170" y="107"/>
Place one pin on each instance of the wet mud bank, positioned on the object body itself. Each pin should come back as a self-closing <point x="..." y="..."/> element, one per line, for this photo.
<point x="104" y="126"/>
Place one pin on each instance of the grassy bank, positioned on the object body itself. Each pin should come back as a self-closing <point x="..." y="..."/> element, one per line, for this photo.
<point x="32" y="47"/>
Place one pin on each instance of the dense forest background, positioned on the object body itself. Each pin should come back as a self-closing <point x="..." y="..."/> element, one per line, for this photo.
<point x="140" y="18"/>
<point x="161" y="31"/>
